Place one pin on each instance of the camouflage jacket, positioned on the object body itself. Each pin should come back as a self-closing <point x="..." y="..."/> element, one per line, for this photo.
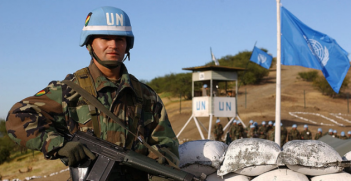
<point x="218" y="130"/>
<point x="262" y="132"/>
<point x="294" y="134"/>
<point x="343" y="137"/>
<point x="318" y="135"/>
<point x="306" y="135"/>
<point x="38" y="122"/>
<point x="252" y="133"/>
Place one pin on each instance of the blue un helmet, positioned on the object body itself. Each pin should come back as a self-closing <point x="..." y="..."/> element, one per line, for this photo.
<point x="263" y="122"/>
<point x="274" y="124"/>
<point x="252" y="126"/>
<point x="205" y="86"/>
<point x="251" y="121"/>
<point x="294" y="126"/>
<point x="107" y="20"/>
<point x="270" y="123"/>
<point x="330" y="130"/>
<point x="217" y="121"/>
<point x="335" y="131"/>
<point x="305" y="126"/>
<point x="234" y="122"/>
<point x="342" y="133"/>
<point x="319" y="129"/>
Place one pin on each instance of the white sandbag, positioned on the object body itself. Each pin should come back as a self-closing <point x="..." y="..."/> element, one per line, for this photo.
<point x="255" y="170"/>
<point x="310" y="157"/>
<point x="250" y="152"/>
<point x="347" y="156"/>
<point x="332" y="177"/>
<point x="281" y="175"/>
<point x="228" y="177"/>
<point x="201" y="156"/>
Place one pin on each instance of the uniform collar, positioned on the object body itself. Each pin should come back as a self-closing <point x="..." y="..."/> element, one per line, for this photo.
<point x="101" y="81"/>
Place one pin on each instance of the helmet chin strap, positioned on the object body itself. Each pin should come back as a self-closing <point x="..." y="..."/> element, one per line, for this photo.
<point x="107" y="63"/>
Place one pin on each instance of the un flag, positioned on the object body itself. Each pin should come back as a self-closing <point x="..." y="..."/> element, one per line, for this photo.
<point x="303" y="46"/>
<point x="261" y="58"/>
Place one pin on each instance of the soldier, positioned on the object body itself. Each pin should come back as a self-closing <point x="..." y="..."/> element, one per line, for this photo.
<point x="348" y="134"/>
<point x="271" y="133"/>
<point x="294" y="134"/>
<point x="335" y="134"/>
<point x="247" y="129"/>
<point x="342" y="136"/>
<point x="319" y="134"/>
<point x="38" y="122"/>
<point x="252" y="133"/>
<point x="232" y="131"/>
<point x="283" y="135"/>
<point x="306" y="134"/>
<point x="330" y="132"/>
<point x="239" y="131"/>
<point x="262" y="130"/>
<point x="270" y="126"/>
<point x="218" y="130"/>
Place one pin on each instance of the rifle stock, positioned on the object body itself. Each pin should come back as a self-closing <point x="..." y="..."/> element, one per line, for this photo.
<point x="108" y="154"/>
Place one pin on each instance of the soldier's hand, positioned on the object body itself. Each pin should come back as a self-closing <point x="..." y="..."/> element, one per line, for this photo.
<point x="75" y="152"/>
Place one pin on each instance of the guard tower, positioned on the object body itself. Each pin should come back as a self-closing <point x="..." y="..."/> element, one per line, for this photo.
<point x="214" y="93"/>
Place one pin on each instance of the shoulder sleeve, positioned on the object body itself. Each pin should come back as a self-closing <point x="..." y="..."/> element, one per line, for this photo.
<point x="36" y="121"/>
<point x="162" y="135"/>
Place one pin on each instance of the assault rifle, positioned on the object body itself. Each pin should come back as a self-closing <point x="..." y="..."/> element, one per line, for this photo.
<point x="109" y="154"/>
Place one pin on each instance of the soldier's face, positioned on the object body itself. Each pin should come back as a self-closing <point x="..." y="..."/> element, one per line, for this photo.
<point x="108" y="47"/>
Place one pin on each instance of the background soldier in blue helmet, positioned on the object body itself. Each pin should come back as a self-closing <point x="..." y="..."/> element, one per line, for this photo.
<point x="306" y="133"/>
<point x="319" y="134"/>
<point x="247" y="129"/>
<point x="330" y="132"/>
<point x="262" y="130"/>
<point x="342" y="136"/>
<point x="294" y="134"/>
<point x="283" y="134"/>
<point x="218" y="130"/>
<point x="252" y="132"/>
<point x="40" y="121"/>
<point x="335" y="134"/>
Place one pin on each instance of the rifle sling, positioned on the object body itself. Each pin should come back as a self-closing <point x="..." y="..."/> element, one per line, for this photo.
<point x="92" y="100"/>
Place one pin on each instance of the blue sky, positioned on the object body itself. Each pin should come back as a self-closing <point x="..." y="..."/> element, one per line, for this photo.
<point x="39" y="38"/>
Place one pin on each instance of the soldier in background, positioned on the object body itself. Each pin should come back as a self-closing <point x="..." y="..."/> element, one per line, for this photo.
<point x="283" y="135"/>
<point x="306" y="134"/>
<point x="247" y="129"/>
<point x="319" y="134"/>
<point x="348" y="134"/>
<point x="294" y="134"/>
<point x="342" y="136"/>
<point x="271" y="132"/>
<point x="252" y="133"/>
<point x="330" y="132"/>
<point x="270" y="126"/>
<point x="239" y="131"/>
<point x="232" y="130"/>
<point x="262" y="130"/>
<point x="218" y="130"/>
<point x="335" y="134"/>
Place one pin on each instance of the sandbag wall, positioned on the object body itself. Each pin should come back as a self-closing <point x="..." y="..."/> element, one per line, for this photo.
<point x="259" y="160"/>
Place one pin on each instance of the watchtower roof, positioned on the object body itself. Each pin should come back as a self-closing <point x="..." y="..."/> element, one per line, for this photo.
<point x="215" y="68"/>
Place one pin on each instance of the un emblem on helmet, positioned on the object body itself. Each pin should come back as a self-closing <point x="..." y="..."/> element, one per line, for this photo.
<point x="321" y="52"/>
<point x="262" y="58"/>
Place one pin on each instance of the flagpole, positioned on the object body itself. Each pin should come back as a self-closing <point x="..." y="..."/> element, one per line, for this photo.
<point x="278" y="79"/>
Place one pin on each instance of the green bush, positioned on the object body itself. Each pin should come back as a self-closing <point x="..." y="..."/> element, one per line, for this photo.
<point x="4" y="154"/>
<point x="322" y="85"/>
<point x="309" y="76"/>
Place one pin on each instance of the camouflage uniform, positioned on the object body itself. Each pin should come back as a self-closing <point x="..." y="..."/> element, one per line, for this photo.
<point x="306" y="134"/>
<point x="271" y="134"/>
<point x="283" y="135"/>
<point x="252" y="133"/>
<point x="294" y="135"/>
<point x="38" y="121"/>
<point x="318" y="135"/>
<point x="343" y="137"/>
<point x="335" y="135"/>
<point x="262" y="132"/>
<point x="232" y="132"/>
<point x="218" y="131"/>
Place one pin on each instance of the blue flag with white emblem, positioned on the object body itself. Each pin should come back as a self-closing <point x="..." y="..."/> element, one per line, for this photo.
<point x="261" y="58"/>
<point x="303" y="46"/>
